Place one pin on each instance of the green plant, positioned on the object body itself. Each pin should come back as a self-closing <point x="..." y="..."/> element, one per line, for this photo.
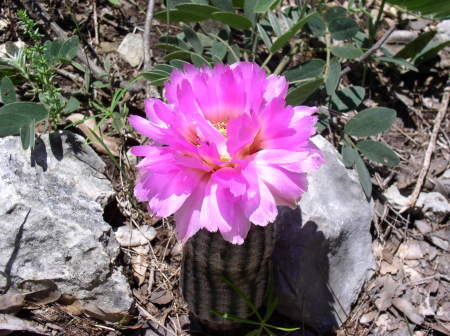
<point x="34" y="64"/>
<point x="261" y="323"/>
<point x="274" y="36"/>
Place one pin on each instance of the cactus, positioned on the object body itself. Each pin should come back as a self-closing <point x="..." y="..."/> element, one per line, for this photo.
<point x="207" y="257"/>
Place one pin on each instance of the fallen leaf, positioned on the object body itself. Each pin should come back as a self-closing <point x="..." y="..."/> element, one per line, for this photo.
<point x="386" y="268"/>
<point x="128" y="236"/>
<point x="410" y="250"/>
<point x="391" y="248"/>
<point x="71" y="304"/>
<point x="139" y="265"/>
<point x="443" y="312"/>
<point x="91" y="131"/>
<point x="96" y="312"/>
<point x="440" y="238"/>
<point x="40" y="291"/>
<point x="10" y="323"/>
<point x="384" y="301"/>
<point x="161" y="297"/>
<point x="11" y="303"/>
<point x="404" y="306"/>
<point x="368" y="317"/>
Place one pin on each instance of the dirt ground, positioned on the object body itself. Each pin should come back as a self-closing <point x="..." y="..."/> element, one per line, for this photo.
<point x="410" y="292"/>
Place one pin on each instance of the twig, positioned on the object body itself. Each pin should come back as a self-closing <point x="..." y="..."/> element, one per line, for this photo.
<point x="96" y="70"/>
<point x="147" y="28"/>
<point x="369" y="52"/>
<point x="94" y="9"/>
<point x="427" y="160"/>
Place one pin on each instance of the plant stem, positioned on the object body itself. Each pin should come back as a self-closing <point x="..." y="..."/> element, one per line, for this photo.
<point x="285" y="60"/>
<point x="328" y="59"/>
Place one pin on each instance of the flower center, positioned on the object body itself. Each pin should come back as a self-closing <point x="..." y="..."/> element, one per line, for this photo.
<point x="221" y="126"/>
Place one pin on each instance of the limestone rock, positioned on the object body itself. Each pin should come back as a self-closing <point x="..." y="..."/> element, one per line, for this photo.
<point x="131" y="49"/>
<point x="51" y="217"/>
<point x="434" y="206"/>
<point x="323" y="254"/>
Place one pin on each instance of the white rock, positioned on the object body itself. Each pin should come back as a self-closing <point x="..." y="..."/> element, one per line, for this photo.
<point x="443" y="30"/>
<point x="51" y="217"/>
<point x="323" y="254"/>
<point x="397" y="200"/>
<point x="128" y="236"/>
<point x="434" y="205"/>
<point x="131" y="49"/>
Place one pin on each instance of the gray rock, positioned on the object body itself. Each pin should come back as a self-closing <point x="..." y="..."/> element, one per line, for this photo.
<point x="324" y="254"/>
<point x="51" y="216"/>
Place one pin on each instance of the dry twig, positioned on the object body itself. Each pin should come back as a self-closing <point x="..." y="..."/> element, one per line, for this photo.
<point x="369" y="52"/>
<point x="427" y="160"/>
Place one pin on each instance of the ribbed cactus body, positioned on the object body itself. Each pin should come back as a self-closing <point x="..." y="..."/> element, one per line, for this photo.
<point x="207" y="257"/>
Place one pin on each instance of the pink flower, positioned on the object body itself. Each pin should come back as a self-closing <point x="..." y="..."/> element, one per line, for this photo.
<point x="226" y="150"/>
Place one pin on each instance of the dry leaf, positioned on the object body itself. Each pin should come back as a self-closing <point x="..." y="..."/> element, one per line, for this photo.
<point x="96" y="312"/>
<point x="404" y="306"/>
<point x="10" y="323"/>
<point x="71" y="304"/>
<point x="161" y="297"/>
<point x="139" y="264"/>
<point x="384" y="300"/>
<point x="386" y="268"/>
<point x="40" y="291"/>
<point x="410" y="250"/>
<point x="11" y="303"/>
<point x="89" y="128"/>
<point x="368" y="317"/>
<point x="443" y="312"/>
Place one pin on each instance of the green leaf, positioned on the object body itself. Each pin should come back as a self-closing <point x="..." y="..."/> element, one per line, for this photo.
<point x="414" y="47"/>
<point x="264" y="5"/>
<point x="274" y="23"/>
<point x="335" y="13"/>
<point x="348" y="99"/>
<point x="437" y="8"/>
<point x="317" y="26"/>
<point x="334" y="73"/>
<point x="311" y="69"/>
<point x="27" y="135"/>
<point x="72" y="105"/>
<point x="343" y="28"/>
<point x="193" y="40"/>
<point x="302" y="92"/>
<point x="11" y="123"/>
<point x="198" y="60"/>
<point x="396" y="61"/>
<point x="25" y="109"/>
<point x="348" y="52"/>
<point x="253" y="332"/>
<point x="179" y="16"/>
<point x="178" y="63"/>
<point x="69" y="48"/>
<point x="164" y="68"/>
<point x="348" y="155"/>
<point x="183" y="55"/>
<point x="364" y="176"/>
<point x="430" y="51"/>
<point x="7" y="91"/>
<point x="218" y="50"/>
<point x="286" y="37"/>
<point x="168" y="47"/>
<point x="154" y="75"/>
<point x="249" y="10"/>
<point x="264" y="36"/>
<point x="198" y="9"/>
<point x="175" y="41"/>
<point x="378" y="152"/>
<point x="233" y="20"/>
<point x="370" y="121"/>
<point x="225" y="5"/>
<point x="99" y="85"/>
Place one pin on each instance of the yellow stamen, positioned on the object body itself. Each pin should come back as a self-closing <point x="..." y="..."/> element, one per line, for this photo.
<point x="221" y="126"/>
